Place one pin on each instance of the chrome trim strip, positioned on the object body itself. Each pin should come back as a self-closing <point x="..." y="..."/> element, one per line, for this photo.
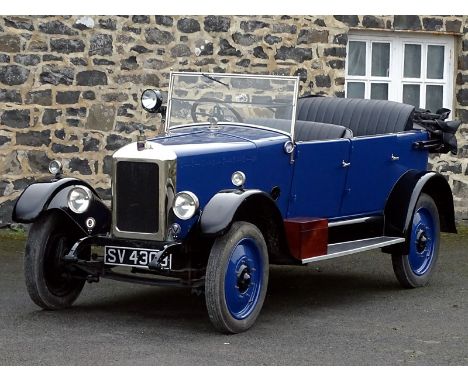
<point x="269" y="76"/>
<point x="350" y="221"/>
<point x="385" y="242"/>
<point x="293" y="118"/>
<point x="169" y="103"/>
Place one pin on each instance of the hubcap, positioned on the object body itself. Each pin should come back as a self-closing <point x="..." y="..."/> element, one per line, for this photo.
<point x="422" y="241"/>
<point x="243" y="279"/>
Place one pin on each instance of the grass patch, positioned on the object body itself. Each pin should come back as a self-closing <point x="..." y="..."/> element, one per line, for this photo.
<point x="461" y="236"/>
<point x="13" y="234"/>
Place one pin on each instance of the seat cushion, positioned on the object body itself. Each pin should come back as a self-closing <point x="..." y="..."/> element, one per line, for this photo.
<point x="317" y="131"/>
<point x="362" y="116"/>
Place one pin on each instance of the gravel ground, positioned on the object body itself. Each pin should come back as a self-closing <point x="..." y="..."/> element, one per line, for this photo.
<point x="348" y="311"/>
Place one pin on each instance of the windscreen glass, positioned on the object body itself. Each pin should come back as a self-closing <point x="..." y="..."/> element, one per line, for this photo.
<point x="266" y="101"/>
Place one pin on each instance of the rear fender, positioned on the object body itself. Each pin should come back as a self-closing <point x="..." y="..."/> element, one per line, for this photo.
<point x="52" y="194"/>
<point x="405" y="194"/>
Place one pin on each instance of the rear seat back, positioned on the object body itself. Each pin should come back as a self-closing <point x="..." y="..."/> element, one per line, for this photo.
<point x="317" y="131"/>
<point x="362" y="116"/>
<point x="305" y="130"/>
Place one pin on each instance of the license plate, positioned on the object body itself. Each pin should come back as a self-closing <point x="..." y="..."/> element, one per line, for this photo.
<point x="133" y="257"/>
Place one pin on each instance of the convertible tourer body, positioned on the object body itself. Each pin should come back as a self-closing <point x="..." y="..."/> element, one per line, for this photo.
<point x="245" y="175"/>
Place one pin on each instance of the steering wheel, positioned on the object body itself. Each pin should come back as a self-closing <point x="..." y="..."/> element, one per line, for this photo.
<point x="218" y="111"/>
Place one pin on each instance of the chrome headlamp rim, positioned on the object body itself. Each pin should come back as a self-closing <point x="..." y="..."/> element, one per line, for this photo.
<point x="89" y="196"/>
<point x="55" y="167"/>
<point x="238" y="178"/>
<point x="154" y="96"/>
<point x="194" y="204"/>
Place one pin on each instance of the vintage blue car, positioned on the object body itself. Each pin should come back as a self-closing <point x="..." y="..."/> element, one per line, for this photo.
<point x="245" y="175"/>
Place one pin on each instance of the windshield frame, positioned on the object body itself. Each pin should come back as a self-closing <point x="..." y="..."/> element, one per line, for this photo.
<point x="247" y="76"/>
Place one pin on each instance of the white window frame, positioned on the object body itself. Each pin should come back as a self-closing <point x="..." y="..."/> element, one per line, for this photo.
<point x="395" y="79"/>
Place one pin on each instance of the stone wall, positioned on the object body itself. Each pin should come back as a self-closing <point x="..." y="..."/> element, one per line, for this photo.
<point x="70" y="86"/>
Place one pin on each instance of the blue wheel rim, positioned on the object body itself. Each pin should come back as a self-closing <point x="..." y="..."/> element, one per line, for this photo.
<point x="243" y="279"/>
<point x="422" y="242"/>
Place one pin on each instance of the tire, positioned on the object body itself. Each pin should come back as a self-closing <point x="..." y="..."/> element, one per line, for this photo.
<point x="414" y="268"/>
<point x="48" y="282"/>
<point x="236" y="278"/>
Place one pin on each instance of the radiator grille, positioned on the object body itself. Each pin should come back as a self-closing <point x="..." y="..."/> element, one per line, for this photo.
<point x="137" y="197"/>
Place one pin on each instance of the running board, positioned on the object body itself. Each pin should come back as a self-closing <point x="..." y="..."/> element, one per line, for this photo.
<point x="349" y="247"/>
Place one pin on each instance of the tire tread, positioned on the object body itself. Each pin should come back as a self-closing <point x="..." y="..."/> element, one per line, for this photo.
<point x="33" y="265"/>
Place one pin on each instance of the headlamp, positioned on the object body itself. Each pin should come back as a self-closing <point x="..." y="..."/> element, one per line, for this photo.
<point x="55" y="167"/>
<point x="185" y="205"/>
<point x="238" y="178"/>
<point x="151" y="100"/>
<point x="79" y="199"/>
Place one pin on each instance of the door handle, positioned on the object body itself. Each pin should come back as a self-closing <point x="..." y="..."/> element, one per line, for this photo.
<point x="394" y="157"/>
<point x="345" y="164"/>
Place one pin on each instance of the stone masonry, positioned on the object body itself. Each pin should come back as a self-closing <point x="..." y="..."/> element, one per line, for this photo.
<point x="70" y="85"/>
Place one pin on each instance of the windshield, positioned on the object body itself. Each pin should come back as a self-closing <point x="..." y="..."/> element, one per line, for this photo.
<point x="253" y="100"/>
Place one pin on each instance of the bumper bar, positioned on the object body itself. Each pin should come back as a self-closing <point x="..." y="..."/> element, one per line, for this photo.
<point x="164" y="248"/>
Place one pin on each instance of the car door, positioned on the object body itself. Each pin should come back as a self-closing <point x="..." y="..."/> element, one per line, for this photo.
<point x="374" y="169"/>
<point x="319" y="178"/>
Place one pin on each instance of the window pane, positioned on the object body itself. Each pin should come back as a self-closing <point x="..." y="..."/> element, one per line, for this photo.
<point x="434" y="97"/>
<point x="412" y="67"/>
<point x="411" y="95"/>
<point x="380" y="59"/>
<point x="355" y="90"/>
<point x="357" y="58"/>
<point x="435" y="61"/>
<point x="379" y="91"/>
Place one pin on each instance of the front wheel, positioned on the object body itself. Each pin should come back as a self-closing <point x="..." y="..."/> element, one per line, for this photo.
<point x="49" y="283"/>
<point x="236" y="278"/>
<point x="414" y="268"/>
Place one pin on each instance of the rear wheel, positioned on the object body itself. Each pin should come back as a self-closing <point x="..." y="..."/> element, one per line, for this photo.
<point x="236" y="278"/>
<point x="414" y="268"/>
<point x="49" y="282"/>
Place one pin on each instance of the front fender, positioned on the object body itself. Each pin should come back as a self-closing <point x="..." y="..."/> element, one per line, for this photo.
<point x="219" y="213"/>
<point x="52" y="194"/>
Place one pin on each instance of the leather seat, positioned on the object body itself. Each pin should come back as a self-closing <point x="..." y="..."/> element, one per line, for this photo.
<point x="317" y="131"/>
<point x="362" y="116"/>
<point x="305" y="130"/>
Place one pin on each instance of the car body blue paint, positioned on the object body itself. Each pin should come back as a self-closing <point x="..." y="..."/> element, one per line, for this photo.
<point x="324" y="187"/>
<point x="376" y="163"/>
<point x="315" y="184"/>
<point x="319" y="178"/>
<point x="206" y="159"/>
